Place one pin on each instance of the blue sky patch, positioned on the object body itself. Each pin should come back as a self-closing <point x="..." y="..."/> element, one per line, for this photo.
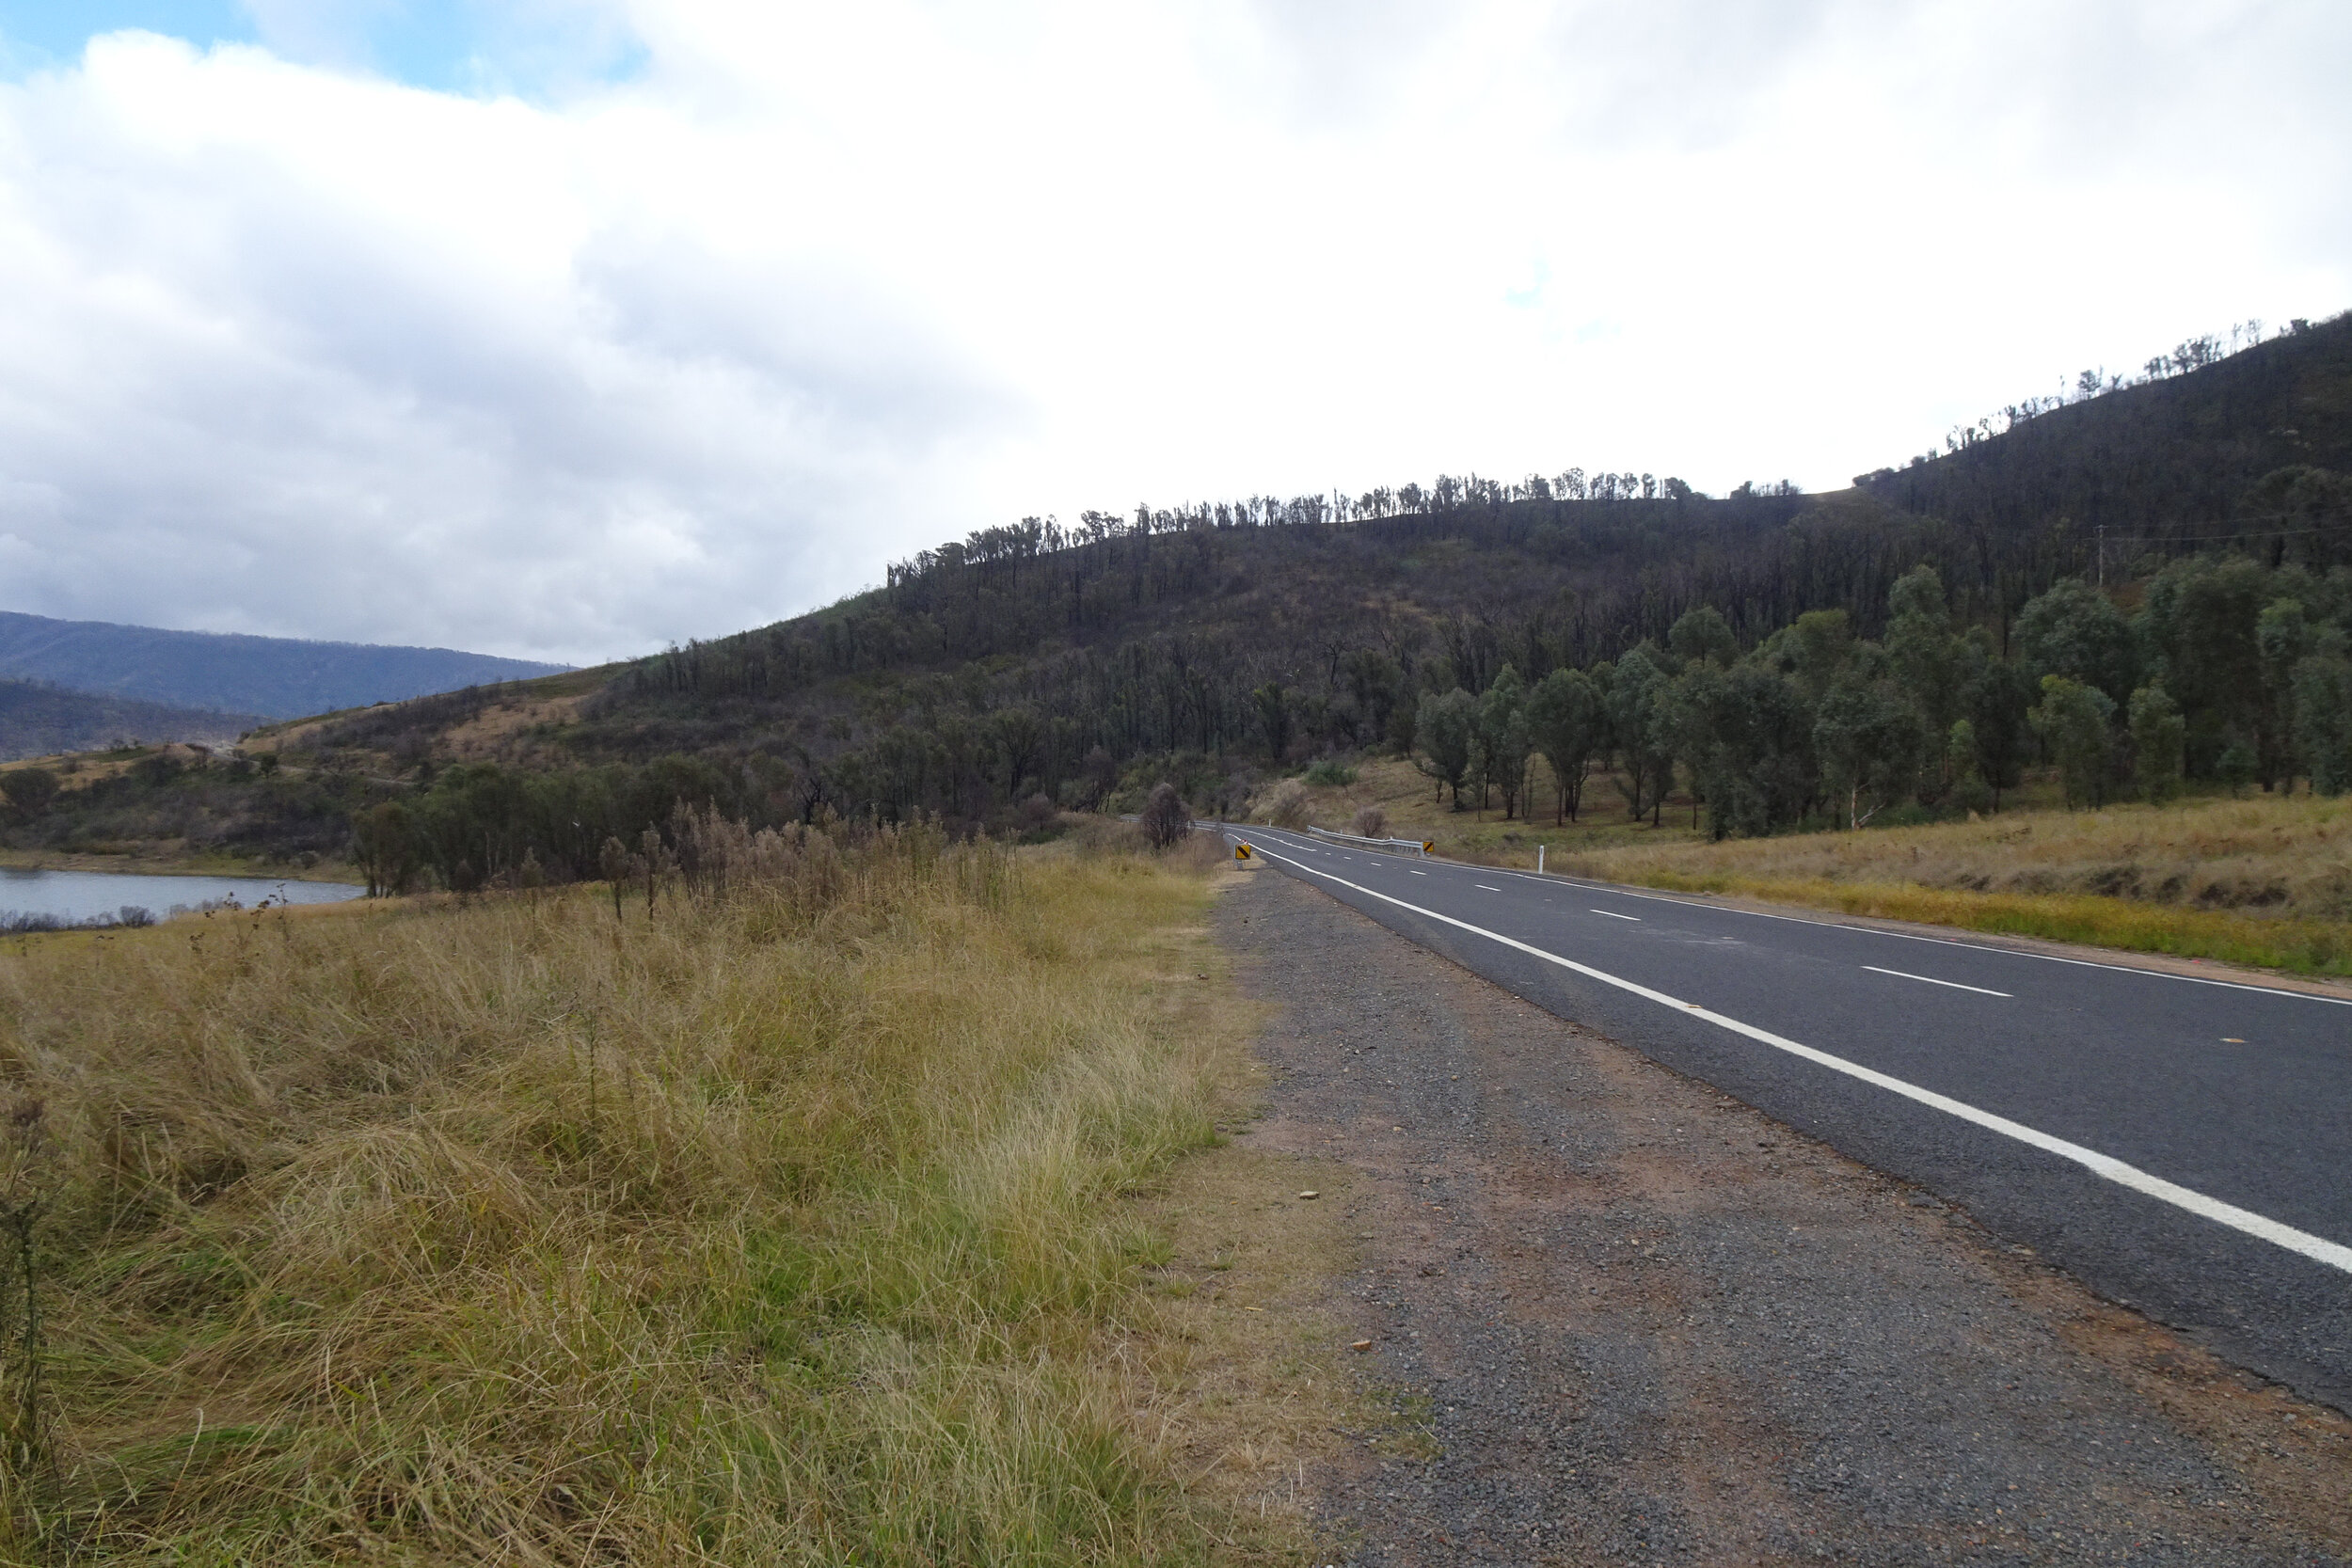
<point x="465" y="46"/>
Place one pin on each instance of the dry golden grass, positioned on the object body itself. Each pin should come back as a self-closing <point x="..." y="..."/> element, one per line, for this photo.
<point x="1253" y="1391"/>
<point x="2265" y="881"/>
<point x="783" y="1226"/>
<point x="1410" y="804"/>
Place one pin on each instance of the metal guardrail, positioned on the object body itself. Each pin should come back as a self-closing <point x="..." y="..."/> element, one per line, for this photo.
<point x="1418" y="846"/>
<point x="1413" y="845"/>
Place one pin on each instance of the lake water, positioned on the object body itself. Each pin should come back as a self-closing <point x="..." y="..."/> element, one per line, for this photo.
<point x="102" y="895"/>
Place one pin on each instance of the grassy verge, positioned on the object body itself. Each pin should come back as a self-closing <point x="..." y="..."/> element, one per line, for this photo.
<point x="2265" y="881"/>
<point x="2297" y="946"/>
<point x="786" y="1225"/>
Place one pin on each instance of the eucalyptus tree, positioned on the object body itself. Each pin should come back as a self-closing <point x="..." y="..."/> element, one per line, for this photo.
<point x="1443" y="730"/>
<point x="1998" y="702"/>
<point x="1640" y="724"/>
<point x="2076" y="631"/>
<point x="1869" y="739"/>
<point x="2073" y="719"/>
<point x="2157" y="735"/>
<point x="1565" y="724"/>
<point x="2323" y="715"/>
<point x="1746" y="735"/>
<point x="1504" y="742"/>
<point x="1703" y="635"/>
<point x="1932" y="663"/>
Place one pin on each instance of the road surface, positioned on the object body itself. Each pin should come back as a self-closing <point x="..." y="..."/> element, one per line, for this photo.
<point x="2183" y="1145"/>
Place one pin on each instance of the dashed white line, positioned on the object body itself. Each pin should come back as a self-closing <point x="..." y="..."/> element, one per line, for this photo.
<point x="1483" y="887"/>
<point x="1933" y="981"/>
<point x="2317" y="1248"/>
<point x="1613" y="914"/>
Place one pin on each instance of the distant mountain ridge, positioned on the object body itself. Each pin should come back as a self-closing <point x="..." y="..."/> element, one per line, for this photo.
<point x="37" y="720"/>
<point x="277" y="678"/>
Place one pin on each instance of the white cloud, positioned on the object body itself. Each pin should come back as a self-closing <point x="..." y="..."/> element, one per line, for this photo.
<point x="293" y="349"/>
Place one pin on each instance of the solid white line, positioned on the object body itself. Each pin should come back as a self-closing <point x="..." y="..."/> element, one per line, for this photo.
<point x="1939" y="942"/>
<point x="2318" y="1248"/>
<point x="1933" y="981"/>
<point x="1613" y="914"/>
<point x="1557" y="878"/>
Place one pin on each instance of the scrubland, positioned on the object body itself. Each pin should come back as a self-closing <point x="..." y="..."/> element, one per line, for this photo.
<point x="785" y="1220"/>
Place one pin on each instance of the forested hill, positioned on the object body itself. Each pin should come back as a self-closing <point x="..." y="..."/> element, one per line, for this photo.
<point x="2173" y="459"/>
<point x="276" y="677"/>
<point x="2207" y="449"/>
<point x="1256" y="632"/>
<point x="1779" y="657"/>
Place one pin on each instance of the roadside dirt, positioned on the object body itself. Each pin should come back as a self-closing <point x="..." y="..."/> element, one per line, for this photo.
<point x="1618" y="1317"/>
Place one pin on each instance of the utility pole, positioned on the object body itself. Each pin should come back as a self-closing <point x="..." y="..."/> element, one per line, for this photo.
<point x="2103" y="554"/>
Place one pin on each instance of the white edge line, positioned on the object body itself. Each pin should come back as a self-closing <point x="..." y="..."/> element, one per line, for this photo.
<point x="2318" y="1248"/>
<point x="1931" y="980"/>
<point x="1620" y="891"/>
<point x="1951" y="942"/>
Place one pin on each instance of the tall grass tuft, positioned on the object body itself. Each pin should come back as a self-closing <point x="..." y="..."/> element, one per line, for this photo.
<point x="774" y="1227"/>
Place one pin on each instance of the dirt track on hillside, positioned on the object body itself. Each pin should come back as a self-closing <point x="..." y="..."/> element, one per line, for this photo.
<point x="1651" y="1324"/>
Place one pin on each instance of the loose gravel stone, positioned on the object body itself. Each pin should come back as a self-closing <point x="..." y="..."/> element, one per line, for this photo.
<point x="1640" y="1323"/>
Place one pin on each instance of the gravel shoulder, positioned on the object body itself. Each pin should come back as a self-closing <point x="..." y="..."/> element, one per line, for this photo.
<point x="1630" y="1318"/>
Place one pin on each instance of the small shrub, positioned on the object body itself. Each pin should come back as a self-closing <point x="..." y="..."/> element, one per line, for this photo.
<point x="1165" y="819"/>
<point x="1288" y="806"/>
<point x="1371" y="822"/>
<point x="1329" y="773"/>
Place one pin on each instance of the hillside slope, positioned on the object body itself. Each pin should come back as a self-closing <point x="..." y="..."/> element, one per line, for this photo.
<point x="2169" y="463"/>
<point x="274" y="677"/>
<point x="1744" y="654"/>
<point x="38" y="720"/>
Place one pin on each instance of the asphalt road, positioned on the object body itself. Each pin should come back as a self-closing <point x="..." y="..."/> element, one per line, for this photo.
<point x="2182" y="1145"/>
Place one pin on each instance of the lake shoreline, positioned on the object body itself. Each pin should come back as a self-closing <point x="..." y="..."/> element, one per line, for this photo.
<point x="178" y="865"/>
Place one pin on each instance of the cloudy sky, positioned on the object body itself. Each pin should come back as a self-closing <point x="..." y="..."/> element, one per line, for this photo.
<point x="566" y="328"/>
